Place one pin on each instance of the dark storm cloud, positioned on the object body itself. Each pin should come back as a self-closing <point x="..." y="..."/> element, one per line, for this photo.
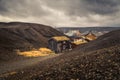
<point x="69" y="7"/>
<point x="2" y="6"/>
<point x="21" y="8"/>
<point x="62" y="12"/>
<point x="85" y="7"/>
<point x="102" y="6"/>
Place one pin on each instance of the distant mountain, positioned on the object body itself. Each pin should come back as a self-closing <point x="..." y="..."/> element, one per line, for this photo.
<point x="84" y="29"/>
<point x="24" y="36"/>
<point x="96" y="30"/>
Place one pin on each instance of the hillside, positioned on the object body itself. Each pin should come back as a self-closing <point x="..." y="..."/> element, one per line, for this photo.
<point x="96" y="60"/>
<point x="89" y="61"/>
<point x="23" y="36"/>
<point x="102" y="64"/>
<point x="105" y="41"/>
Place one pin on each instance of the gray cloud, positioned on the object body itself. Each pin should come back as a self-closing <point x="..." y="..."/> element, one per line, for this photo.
<point x="103" y="6"/>
<point x="85" y="7"/>
<point x="21" y="8"/>
<point x="62" y="12"/>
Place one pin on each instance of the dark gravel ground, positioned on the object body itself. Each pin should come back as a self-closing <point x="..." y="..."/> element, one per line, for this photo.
<point x="97" y="65"/>
<point x="87" y="62"/>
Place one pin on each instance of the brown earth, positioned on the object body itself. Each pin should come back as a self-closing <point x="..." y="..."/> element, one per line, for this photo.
<point x="24" y="37"/>
<point x="98" y="60"/>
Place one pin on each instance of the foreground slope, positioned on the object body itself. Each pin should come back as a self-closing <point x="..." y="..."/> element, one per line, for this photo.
<point x="101" y="63"/>
<point x="23" y="36"/>
<point x="96" y="60"/>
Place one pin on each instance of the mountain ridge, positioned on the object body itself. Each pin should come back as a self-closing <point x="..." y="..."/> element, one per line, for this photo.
<point x="24" y="36"/>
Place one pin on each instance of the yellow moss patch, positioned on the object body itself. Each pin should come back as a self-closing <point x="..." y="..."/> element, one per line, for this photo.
<point x="79" y="42"/>
<point x="37" y="53"/>
<point x="91" y="37"/>
<point x="45" y="50"/>
<point x="60" y="38"/>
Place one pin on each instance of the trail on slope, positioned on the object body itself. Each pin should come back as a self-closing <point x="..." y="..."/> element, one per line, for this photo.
<point x="16" y="65"/>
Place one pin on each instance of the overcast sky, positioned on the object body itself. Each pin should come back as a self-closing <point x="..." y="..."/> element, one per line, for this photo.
<point x="62" y="13"/>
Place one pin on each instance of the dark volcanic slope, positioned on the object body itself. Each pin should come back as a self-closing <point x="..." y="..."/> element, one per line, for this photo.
<point x="100" y="62"/>
<point x="23" y="36"/>
<point x="110" y="39"/>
